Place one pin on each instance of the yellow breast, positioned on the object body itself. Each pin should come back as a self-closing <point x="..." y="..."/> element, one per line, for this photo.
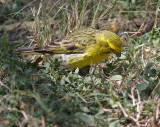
<point x="91" y="56"/>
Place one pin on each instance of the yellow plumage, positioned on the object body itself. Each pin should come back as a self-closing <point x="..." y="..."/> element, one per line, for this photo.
<point x="83" y="47"/>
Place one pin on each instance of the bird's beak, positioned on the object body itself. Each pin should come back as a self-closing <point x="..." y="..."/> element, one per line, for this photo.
<point x="118" y="54"/>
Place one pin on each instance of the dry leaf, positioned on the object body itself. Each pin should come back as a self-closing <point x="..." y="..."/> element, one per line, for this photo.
<point x="29" y="25"/>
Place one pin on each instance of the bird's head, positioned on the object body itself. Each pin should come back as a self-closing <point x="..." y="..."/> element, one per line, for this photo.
<point x="111" y="41"/>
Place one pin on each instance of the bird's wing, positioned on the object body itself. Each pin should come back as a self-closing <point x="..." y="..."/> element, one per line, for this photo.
<point x="76" y="43"/>
<point x="65" y="45"/>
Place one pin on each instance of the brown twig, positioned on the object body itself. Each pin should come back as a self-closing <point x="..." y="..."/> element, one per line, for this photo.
<point x="139" y="30"/>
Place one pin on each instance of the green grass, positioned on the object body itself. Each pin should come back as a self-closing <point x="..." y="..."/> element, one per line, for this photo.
<point x="123" y="92"/>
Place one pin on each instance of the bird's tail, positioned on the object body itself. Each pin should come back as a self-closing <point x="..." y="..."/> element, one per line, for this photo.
<point x="31" y="51"/>
<point x="47" y="49"/>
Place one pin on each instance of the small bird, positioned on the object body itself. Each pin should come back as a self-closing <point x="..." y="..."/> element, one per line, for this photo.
<point x="81" y="48"/>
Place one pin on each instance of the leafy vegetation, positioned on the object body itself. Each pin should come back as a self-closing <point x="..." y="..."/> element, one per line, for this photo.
<point x="40" y="91"/>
